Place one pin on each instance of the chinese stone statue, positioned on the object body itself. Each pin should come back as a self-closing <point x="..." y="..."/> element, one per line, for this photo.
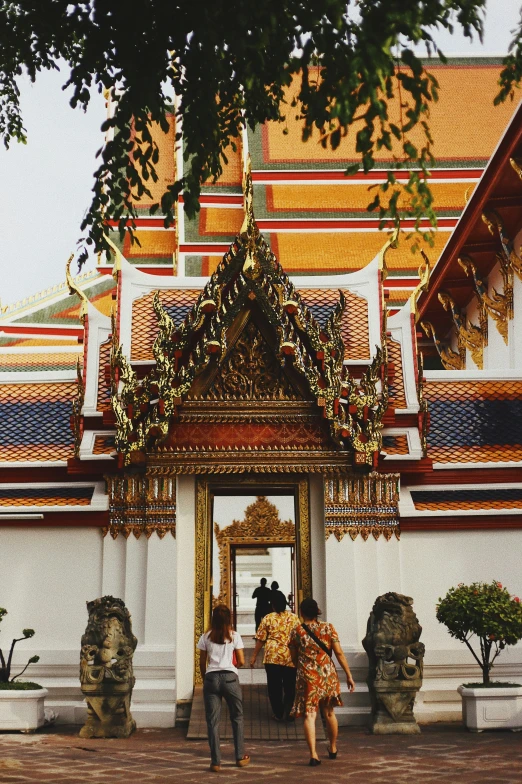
<point x="106" y="675"/>
<point x="395" y="664"/>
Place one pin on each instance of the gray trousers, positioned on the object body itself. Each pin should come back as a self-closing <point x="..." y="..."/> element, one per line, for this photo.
<point x="219" y="685"/>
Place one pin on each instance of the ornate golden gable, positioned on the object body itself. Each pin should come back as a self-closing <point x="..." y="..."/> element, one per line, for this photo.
<point x="249" y="285"/>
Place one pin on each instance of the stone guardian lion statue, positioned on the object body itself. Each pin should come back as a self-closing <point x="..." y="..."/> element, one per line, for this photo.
<point x="395" y="664"/>
<point x="106" y="674"/>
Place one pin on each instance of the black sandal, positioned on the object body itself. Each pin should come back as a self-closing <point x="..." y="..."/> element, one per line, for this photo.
<point x="314" y="762"/>
<point x="331" y="754"/>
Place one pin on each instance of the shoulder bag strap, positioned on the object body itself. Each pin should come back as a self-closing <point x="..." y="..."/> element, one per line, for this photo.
<point x="316" y="639"/>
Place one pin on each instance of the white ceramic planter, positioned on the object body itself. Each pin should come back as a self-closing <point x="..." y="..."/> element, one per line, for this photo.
<point x="498" y="708"/>
<point x="22" y="710"/>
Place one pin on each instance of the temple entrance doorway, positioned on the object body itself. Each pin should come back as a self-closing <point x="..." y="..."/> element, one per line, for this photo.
<point x="250" y="565"/>
<point x="247" y="528"/>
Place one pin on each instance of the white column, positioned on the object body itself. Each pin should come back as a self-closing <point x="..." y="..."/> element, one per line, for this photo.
<point x="136" y="583"/>
<point x="113" y="566"/>
<point x="185" y="586"/>
<point x="317" y="541"/>
<point x="160" y="598"/>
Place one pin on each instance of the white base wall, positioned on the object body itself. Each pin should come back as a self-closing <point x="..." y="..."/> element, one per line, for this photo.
<point x="423" y="565"/>
<point x="48" y="574"/>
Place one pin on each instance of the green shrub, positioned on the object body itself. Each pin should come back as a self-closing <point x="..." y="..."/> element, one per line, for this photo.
<point x="5" y="663"/>
<point x="19" y="686"/>
<point x="486" y="611"/>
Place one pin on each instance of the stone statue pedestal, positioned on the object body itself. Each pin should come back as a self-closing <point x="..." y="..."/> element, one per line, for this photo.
<point x="108" y="711"/>
<point x="393" y="713"/>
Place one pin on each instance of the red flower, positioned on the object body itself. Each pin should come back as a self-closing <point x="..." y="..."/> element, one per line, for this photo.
<point x="516" y="599"/>
<point x="499" y="585"/>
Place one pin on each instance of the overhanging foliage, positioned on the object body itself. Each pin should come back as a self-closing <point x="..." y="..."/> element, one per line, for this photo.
<point x="233" y="63"/>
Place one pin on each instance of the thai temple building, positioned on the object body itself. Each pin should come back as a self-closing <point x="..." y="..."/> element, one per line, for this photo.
<point x="276" y="388"/>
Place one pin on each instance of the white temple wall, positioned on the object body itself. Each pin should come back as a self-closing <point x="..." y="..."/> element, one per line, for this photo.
<point x="423" y="565"/>
<point x="49" y="574"/>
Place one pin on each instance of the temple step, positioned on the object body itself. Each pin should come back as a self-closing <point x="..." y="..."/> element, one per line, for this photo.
<point x="258" y="723"/>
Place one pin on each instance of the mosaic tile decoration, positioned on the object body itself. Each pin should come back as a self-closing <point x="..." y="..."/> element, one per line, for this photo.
<point x="474" y="421"/>
<point x="54" y="341"/>
<point x="35" y="421"/>
<point x="66" y="308"/>
<point x="395" y="445"/>
<point x="396" y="387"/>
<point x="103" y="402"/>
<point x="355" y="321"/>
<point x="177" y="303"/>
<point x="104" y="445"/>
<point x="49" y="496"/>
<point x="362" y="505"/>
<point x="36" y="361"/>
<point x="467" y="498"/>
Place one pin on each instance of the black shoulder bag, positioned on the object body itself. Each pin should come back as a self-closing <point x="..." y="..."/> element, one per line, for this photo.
<point x="317" y="641"/>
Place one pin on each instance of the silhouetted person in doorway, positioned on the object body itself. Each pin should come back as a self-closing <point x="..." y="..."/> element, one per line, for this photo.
<point x="274" y="589"/>
<point x="263" y="597"/>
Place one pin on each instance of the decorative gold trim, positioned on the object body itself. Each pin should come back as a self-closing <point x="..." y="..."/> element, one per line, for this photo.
<point x="451" y="360"/>
<point x="205" y="490"/>
<point x="247" y="460"/>
<point x="141" y="504"/>
<point x="362" y="505"/>
<point x="423" y="405"/>
<point x="340" y="531"/>
<point x="469" y="336"/>
<point x="75" y="289"/>
<point x="499" y="305"/>
<point x="516" y="165"/>
<point x="77" y="409"/>
<point x="424" y="281"/>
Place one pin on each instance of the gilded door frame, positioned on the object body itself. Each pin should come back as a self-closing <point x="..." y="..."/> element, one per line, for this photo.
<point x="206" y="488"/>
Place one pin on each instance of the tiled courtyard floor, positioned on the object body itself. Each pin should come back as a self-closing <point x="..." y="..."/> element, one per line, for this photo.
<point x="442" y="753"/>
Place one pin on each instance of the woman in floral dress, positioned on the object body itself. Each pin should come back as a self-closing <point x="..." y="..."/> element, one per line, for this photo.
<point x="311" y="645"/>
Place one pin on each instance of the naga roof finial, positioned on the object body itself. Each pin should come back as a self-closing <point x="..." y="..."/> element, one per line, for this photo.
<point x="74" y="289"/>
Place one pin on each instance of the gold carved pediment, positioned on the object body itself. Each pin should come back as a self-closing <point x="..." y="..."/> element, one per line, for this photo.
<point x="250" y="371"/>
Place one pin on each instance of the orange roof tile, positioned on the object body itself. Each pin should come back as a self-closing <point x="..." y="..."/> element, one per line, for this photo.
<point x="158" y="243"/>
<point x="165" y="168"/>
<point x="177" y="302"/>
<point x="38" y="361"/>
<point x="353" y="197"/>
<point x="312" y="253"/>
<point x="355" y="320"/>
<point x="462" y="129"/>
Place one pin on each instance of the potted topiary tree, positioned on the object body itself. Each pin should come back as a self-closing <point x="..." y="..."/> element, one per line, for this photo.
<point x="488" y="613"/>
<point x="21" y="702"/>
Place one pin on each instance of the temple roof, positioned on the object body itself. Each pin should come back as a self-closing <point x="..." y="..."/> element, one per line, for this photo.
<point x="315" y="219"/>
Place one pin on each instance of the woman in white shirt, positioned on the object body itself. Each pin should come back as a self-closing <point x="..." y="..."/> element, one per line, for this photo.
<point x="221" y="651"/>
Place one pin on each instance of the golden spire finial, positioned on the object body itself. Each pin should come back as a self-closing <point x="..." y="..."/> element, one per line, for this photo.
<point x="74" y="289"/>
<point x="248" y="198"/>
<point x="249" y="231"/>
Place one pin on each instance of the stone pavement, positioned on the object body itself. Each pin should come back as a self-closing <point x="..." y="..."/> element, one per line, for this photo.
<point x="442" y="753"/>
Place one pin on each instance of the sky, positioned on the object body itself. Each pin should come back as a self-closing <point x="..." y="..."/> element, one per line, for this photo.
<point x="45" y="186"/>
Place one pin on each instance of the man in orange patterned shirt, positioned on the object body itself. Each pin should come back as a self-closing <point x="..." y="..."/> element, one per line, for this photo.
<point x="274" y="632"/>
